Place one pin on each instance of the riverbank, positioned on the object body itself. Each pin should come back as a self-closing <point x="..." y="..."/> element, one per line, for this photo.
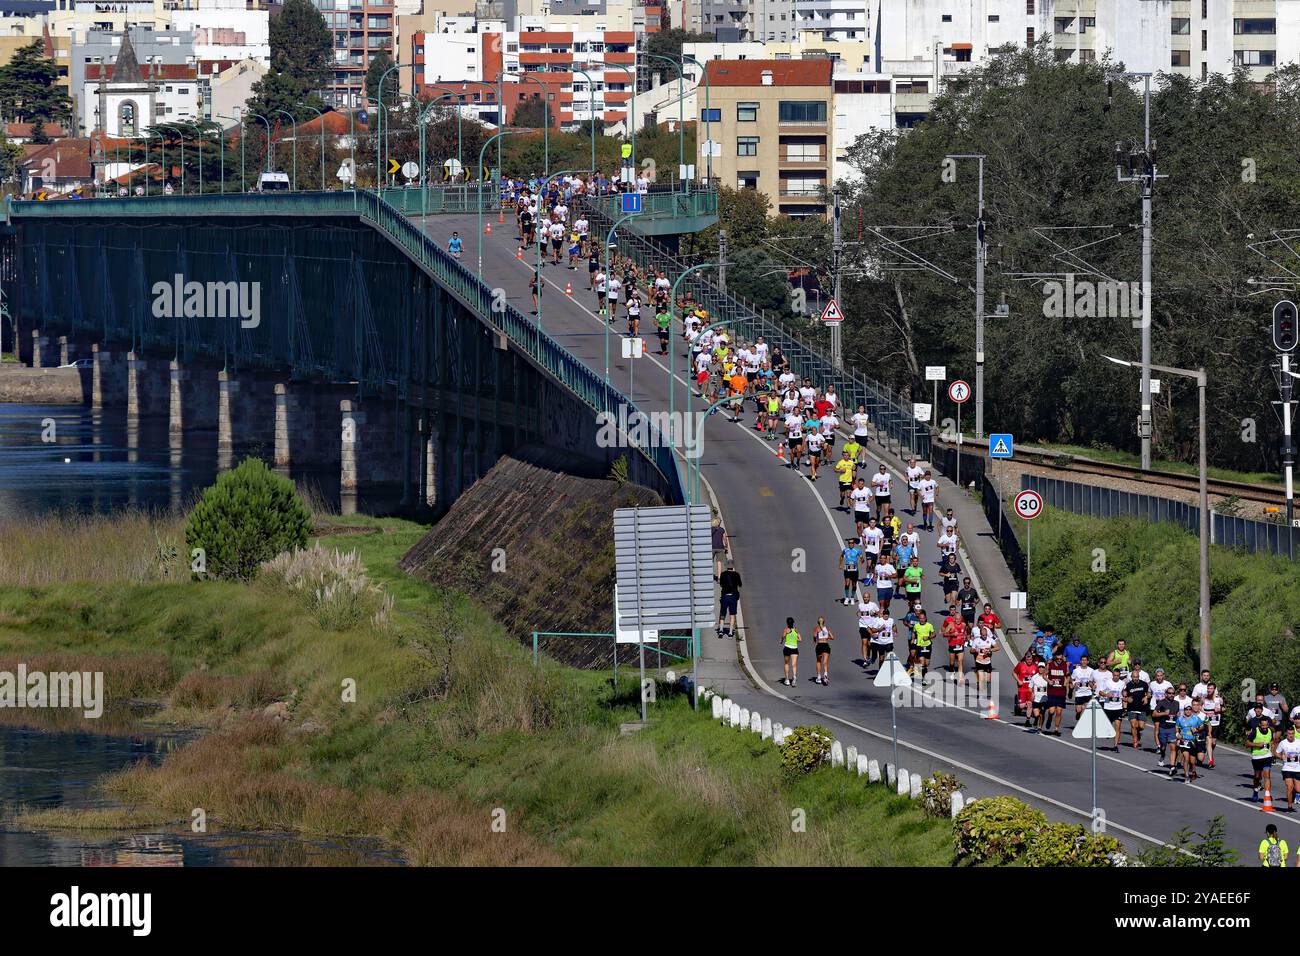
<point x="20" y="385"/>
<point x="429" y="728"/>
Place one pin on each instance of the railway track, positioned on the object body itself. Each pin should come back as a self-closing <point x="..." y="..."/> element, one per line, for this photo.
<point x="1042" y="458"/>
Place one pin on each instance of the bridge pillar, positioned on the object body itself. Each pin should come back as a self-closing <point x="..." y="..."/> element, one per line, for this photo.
<point x="71" y="350"/>
<point x="42" y="352"/>
<point x="193" y="398"/>
<point x="147" y="386"/>
<point x="305" y="428"/>
<point x="108" y="378"/>
<point x="370" y="448"/>
<point x="245" y="413"/>
<point x="431" y="443"/>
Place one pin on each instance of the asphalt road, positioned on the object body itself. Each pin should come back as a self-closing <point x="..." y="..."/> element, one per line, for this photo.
<point x="786" y="534"/>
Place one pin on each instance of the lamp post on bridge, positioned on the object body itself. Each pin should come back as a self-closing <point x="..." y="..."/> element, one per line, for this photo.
<point x="609" y="241"/>
<point x="293" y="123"/>
<point x="268" y="138"/>
<point x="181" y="136"/>
<point x="383" y="120"/>
<point x="681" y="112"/>
<point x="321" y="115"/>
<point x="242" y="139"/>
<point x="546" y="114"/>
<point x="481" y="153"/>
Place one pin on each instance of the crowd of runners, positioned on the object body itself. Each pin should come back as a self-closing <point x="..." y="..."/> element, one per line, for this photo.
<point x="884" y="577"/>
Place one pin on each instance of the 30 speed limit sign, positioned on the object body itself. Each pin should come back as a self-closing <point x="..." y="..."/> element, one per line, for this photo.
<point x="959" y="391"/>
<point x="1028" y="504"/>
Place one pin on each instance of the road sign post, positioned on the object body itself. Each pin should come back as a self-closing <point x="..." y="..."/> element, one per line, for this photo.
<point x="631" y="203"/>
<point x="1028" y="505"/>
<point x="936" y="374"/>
<point x="959" y="392"/>
<point x="893" y="674"/>
<point x="1093" y="724"/>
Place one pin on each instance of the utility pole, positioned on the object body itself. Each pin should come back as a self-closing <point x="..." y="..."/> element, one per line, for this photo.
<point x="981" y="256"/>
<point x="1286" y="335"/>
<point x="837" y="254"/>
<point x="1140" y="167"/>
<point x="722" y="260"/>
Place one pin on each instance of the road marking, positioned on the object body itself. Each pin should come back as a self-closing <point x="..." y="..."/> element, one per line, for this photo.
<point x="764" y="491"/>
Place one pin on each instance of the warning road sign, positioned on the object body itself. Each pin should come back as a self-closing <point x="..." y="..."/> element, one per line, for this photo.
<point x="1028" y="504"/>
<point x="959" y="391"/>
<point x="1001" y="446"/>
<point x="832" y="314"/>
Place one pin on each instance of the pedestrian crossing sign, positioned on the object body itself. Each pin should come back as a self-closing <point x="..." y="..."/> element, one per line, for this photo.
<point x="1001" y="446"/>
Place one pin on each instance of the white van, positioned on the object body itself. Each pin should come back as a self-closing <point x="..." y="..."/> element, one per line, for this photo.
<point x="273" y="182"/>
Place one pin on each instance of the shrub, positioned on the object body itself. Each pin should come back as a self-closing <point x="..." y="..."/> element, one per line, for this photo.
<point x="333" y="585"/>
<point x="1069" y="844"/>
<point x="995" y="830"/>
<point x="805" y="749"/>
<point x="249" y="516"/>
<point x="936" y="794"/>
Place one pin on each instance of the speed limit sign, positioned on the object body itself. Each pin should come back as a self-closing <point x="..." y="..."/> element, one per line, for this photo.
<point x="959" y="391"/>
<point x="1028" y="504"/>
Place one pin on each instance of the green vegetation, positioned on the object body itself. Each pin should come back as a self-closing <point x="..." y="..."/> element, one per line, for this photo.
<point x="996" y="830"/>
<point x="1069" y="844"/>
<point x="450" y="722"/>
<point x="805" y="749"/>
<point x="1113" y="456"/>
<point x="29" y="90"/>
<point x="1131" y="579"/>
<point x="248" y="517"/>
<point x="1190" y="848"/>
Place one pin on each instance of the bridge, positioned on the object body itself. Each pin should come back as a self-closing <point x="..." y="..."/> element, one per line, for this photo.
<point x="448" y="372"/>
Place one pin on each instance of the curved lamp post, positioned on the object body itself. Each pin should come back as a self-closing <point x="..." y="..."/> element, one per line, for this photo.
<point x="681" y="111"/>
<point x="269" y="144"/>
<point x="147" y="134"/>
<point x="383" y="120"/>
<point x="423" y="120"/>
<point x="591" y="107"/>
<point x="293" y="123"/>
<point x="672" y="356"/>
<point x="708" y="124"/>
<point x="496" y="136"/>
<point x="322" y="142"/>
<point x="460" y="117"/>
<point x="388" y="132"/>
<point x="609" y="240"/>
<point x="546" y="112"/>
<point x="630" y="122"/>
<point x="180" y="134"/>
<point x="242" y="139"/>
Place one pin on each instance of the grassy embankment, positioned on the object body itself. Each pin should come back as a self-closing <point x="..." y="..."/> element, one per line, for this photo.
<point x="451" y="721"/>
<point x="1148" y="594"/>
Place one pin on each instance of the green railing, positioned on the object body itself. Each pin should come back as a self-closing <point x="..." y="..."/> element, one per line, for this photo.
<point x="664" y="205"/>
<point x="522" y="331"/>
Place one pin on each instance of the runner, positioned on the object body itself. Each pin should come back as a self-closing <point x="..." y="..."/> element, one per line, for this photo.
<point x="872" y="537"/>
<point x="534" y="287"/>
<point x="1165" y="714"/>
<point x="882" y="645"/>
<point x="729" y="585"/>
<point x="886" y="575"/>
<point x="850" y="555"/>
<point x="1058" y="678"/>
<point x="1024" y="670"/>
<point x="1261" y="754"/>
<point x="814" y="441"/>
<point x="1273" y="850"/>
<point x="880" y="485"/>
<point x="1081" y="682"/>
<point x="790" y="650"/>
<point x="1188" y="725"/>
<point x="914" y="475"/>
<point x="1038" y="697"/>
<point x="633" y="314"/>
<point x="663" y="325"/>
<point x="949" y="572"/>
<point x="984" y="645"/>
<point x="1111" y="693"/>
<point x="923" y="637"/>
<point x="868" y="629"/>
<point x="822" y="638"/>
<point x="1288" y="751"/>
<point x="456" y="245"/>
<point x="953" y="630"/>
<point x="928" y="488"/>
<point x="845" y="469"/>
<point x="860" y="422"/>
<point x="1212" y="703"/>
<point x="1120" y="659"/>
<point x="1136" y="693"/>
<point x="913" y="575"/>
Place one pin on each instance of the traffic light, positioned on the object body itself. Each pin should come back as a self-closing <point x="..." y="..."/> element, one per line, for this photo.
<point x="1285" y="323"/>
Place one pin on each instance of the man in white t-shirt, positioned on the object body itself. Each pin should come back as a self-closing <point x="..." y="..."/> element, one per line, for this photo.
<point x="883" y="643"/>
<point x="947" y="542"/>
<point x="831" y="398"/>
<point x="927" y="488"/>
<point x="947" y="520"/>
<point x="860" y="421"/>
<point x="1201" y="685"/>
<point x="786" y="380"/>
<point x="983" y="645"/>
<point x="886" y="583"/>
<point x="861" y="497"/>
<point x="1081" y="680"/>
<point x="914" y="474"/>
<point x="880" y="483"/>
<point x="1160" y="687"/>
<point x="872" y="537"/>
<point x="869" y="623"/>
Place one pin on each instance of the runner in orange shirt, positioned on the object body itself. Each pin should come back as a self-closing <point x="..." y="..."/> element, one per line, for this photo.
<point x="738" y="383"/>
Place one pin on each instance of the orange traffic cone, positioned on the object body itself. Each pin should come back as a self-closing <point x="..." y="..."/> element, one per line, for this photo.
<point x="1268" y="800"/>
<point x="992" y="712"/>
<point x="501" y="215"/>
<point x="487" y="229"/>
<point x="519" y="253"/>
<point x="568" y="289"/>
<point x="780" y="453"/>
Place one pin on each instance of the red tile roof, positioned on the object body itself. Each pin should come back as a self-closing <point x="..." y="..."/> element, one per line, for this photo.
<point x="784" y="72"/>
<point x="24" y="130"/>
<point x="71" y="158"/>
<point x="155" y="71"/>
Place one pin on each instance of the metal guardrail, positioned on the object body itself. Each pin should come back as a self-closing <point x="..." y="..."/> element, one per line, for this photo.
<point x="565" y="367"/>
<point x="891" y="416"/>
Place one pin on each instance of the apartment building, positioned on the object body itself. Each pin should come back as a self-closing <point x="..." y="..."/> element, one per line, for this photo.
<point x="768" y="127"/>
<point x="578" y="72"/>
<point x="362" y="29"/>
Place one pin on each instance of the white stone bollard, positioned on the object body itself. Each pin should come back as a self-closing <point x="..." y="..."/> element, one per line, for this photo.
<point x="958" y="802"/>
<point x="891" y="774"/>
<point x="873" y="771"/>
<point x="767" y="728"/>
<point x="837" y="754"/>
<point x="726" y="708"/>
<point x="744" y="718"/>
<point x="851" y="758"/>
<point x="778" y="734"/>
<point x="904" y="786"/>
<point x="734" y="717"/>
<point x="860" y="765"/>
<point x="755" y="723"/>
<point x="916" y="786"/>
<point x="717" y="708"/>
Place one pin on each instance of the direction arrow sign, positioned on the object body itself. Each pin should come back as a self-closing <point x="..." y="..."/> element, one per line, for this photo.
<point x="1001" y="446"/>
<point x="1093" y="724"/>
<point x="1028" y="504"/>
<point x="631" y="203"/>
<point x="832" y="314"/>
<point x="892" y="674"/>
<point x="959" y="391"/>
<point x="394" y="166"/>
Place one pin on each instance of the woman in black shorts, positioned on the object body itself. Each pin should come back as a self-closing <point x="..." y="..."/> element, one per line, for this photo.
<point x="790" y="651"/>
<point x="822" y="638"/>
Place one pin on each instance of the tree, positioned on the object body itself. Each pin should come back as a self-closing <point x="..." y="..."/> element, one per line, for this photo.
<point x="669" y="43"/>
<point x="531" y="112"/>
<point x="757" y="276"/>
<point x="380" y="63"/>
<point x="29" y="90"/>
<point x="302" y="46"/>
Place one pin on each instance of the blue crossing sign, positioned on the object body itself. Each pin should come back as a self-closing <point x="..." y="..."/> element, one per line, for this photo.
<point x="631" y="203"/>
<point x="1001" y="446"/>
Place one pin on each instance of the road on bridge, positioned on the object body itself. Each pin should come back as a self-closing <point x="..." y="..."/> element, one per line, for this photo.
<point x="770" y="511"/>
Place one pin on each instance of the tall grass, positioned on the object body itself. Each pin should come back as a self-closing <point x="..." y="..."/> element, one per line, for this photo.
<point x="129" y="545"/>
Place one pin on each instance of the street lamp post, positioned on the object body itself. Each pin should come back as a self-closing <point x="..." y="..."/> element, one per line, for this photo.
<point x="1199" y="377"/>
<point x="293" y="123"/>
<point x="631" y="121"/>
<point x="383" y="120"/>
<point x="591" y="108"/>
<point x="242" y="139"/>
<point x="681" y="112"/>
<point x="981" y="256"/>
<point x="546" y="112"/>
<point x="322" y="141"/>
<point x="708" y="122"/>
<point x="181" y="136"/>
<point x="481" y="153"/>
<point x="147" y="134"/>
<point x="672" y="299"/>
<point x="268" y="138"/>
<point x="609" y="241"/>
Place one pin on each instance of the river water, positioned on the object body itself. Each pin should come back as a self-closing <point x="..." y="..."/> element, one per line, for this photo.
<point x="68" y="458"/>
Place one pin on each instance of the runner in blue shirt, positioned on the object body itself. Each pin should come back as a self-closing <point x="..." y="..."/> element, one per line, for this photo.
<point x="903" y="552"/>
<point x="456" y="245"/>
<point x="1075" y="651"/>
<point x="850" y="557"/>
<point x="1189" y="725"/>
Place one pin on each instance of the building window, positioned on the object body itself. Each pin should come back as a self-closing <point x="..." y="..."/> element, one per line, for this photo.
<point x="1254" y="57"/>
<point x="802" y="111"/>
<point x="994" y="18"/>
<point x="127" y="118"/>
<point x="1180" y="26"/>
<point x="746" y="112"/>
<point x="803" y="152"/>
<point x="1087" y="56"/>
<point x="747" y="180"/>
<point x="1205" y="40"/>
<point x="946" y="18"/>
<point x="1029" y="36"/>
<point x="1029" y="7"/>
<point x="1180" y="58"/>
<point x="1254" y="27"/>
<point x="746" y="145"/>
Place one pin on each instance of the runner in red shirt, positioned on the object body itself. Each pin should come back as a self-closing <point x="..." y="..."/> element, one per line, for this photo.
<point x="1024" y="670"/>
<point x="1058" y="679"/>
<point x="989" y="619"/>
<point x="954" y="630"/>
